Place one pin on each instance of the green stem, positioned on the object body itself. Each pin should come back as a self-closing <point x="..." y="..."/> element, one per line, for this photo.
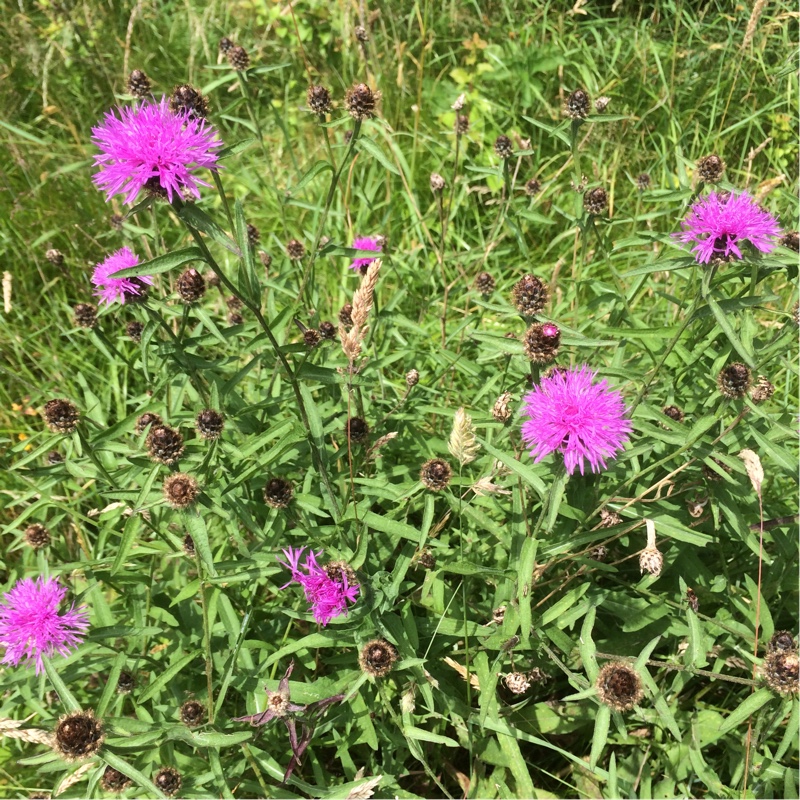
<point x="224" y="197"/>
<point x="206" y="639"/>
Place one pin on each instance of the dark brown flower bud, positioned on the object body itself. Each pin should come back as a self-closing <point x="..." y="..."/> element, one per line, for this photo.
<point x="54" y="457"/>
<point x="55" y="257"/>
<point x="601" y="104"/>
<point x="146" y="420"/>
<point x="318" y="99"/>
<point x="412" y="378"/>
<point x="168" y="779"/>
<point x="192" y="713"/>
<point x="116" y="220"/>
<point x="437" y="182"/>
<point x="61" y="416"/>
<point x="762" y="391"/>
<point x="138" y="83"/>
<point x="125" y="683"/>
<point x="188" y="546"/>
<point x="180" y="490"/>
<point x="225" y="45"/>
<point x="462" y="124"/>
<point x="134" y="330"/>
<point x="781" y="671"/>
<point x="253" y="235"/>
<point x="114" y="781"/>
<point x="164" y="444"/>
<point x="529" y="295"/>
<point x="541" y="342"/>
<point x="532" y="187"/>
<point x="361" y="34"/>
<point x="643" y="181"/>
<point x="377" y="658"/>
<point x="360" y="101"/>
<point x="356" y="430"/>
<point x="77" y="735"/>
<point x="577" y="105"/>
<point x="295" y="250"/>
<point x="209" y="424"/>
<point x="238" y="58"/>
<point x="266" y="259"/>
<point x="595" y="201"/>
<point x="619" y="686"/>
<point x="278" y="493"/>
<point x="327" y="330"/>
<point x="191" y="286"/>
<point x="734" y="380"/>
<point x="710" y="168"/>
<point x="791" y="239"/>
<point x="185" y="99"/>
<point x="211" y="278"/>
<point x="435" y="474"/>
<point x="782" y="642"/>
<point x="503" y="147"/>
<point x="85" y="315"/>
<point x="37" y="536"/>
<point x="311" y="338"/>
<point x="484" y="283"/>
<point x="346" y="315"/>
<point x="516" y="682"/>
<point x="673" y="412"/>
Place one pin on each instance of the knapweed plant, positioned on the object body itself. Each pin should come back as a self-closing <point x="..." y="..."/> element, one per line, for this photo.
<point x="399" y="400"/>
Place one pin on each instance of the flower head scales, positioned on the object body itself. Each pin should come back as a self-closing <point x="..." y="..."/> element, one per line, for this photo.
<point x="110" y="288"/>
<point x="583" y="420"/>
<point x="719" y="223"/>
<point x="364" y="243"/>
<point x="31" y="627"/>
<point x="149" y="147"/>
<point x="327" y="596"/>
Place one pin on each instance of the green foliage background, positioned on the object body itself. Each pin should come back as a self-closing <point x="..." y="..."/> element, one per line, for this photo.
<point x="629" y="302"/>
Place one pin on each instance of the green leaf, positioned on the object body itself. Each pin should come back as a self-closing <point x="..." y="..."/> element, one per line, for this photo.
<point x="196" y="526"/>
<point x="163" y="678"/>
<point x="126" y="542"/>
<point x="419" y="734"/>
<point x="746" y="710"/>
<point x="235" y="149"/>
<point x="163" y="263"/>
<point x="371" y="147"/>
<point x="600" y="735"/>
<point x="125" y="768"/>
<point x="316" y="169"/>
<point x="67" y="698"/>
<point x="197" y="218"/>
<point x="724" y="322"/>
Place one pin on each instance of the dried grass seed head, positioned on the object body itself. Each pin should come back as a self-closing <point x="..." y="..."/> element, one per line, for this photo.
<point x="463" y="445"/>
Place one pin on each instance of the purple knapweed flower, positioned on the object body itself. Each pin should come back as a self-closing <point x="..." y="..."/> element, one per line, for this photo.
<point x="110" y="288"/>
<point x="31" y="627"/>
<point x="720" y="223"/>
<point x="328" y="589"/>
<point x="150" y="147"/>
<point x="581" y="419"/>
<point x="365" y="243"/>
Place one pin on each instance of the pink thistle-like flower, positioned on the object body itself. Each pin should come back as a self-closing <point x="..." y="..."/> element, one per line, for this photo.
<point x="31" y="627"/>
<point x="365" y="243"/>
<point x="150" y="147"/>
<point x="110" y="288"/>
<point x="581" y="419"/>
<point x="720" y="223"/>
<point x="327" y="591"/>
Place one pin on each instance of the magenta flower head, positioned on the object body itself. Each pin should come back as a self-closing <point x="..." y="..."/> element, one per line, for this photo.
<point x="581" y="419"/>
<point x="721" y="222"/>
<point x="150" y="147"/>
<point x="365" y="243"/>
<point x="328" y="589"/>
<point x="31" y="627"/>
<point x="110" y="288"/>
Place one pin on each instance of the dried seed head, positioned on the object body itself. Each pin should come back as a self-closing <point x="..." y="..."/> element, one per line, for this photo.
<point x="734" y="380"/>
<point x="437" y="182"/>
<point x="188" y="546"/>
<point x="532" y="187"/>
<point x="235" y="318"/>
<point x="191" y="286"/>
<point x="377" y="658"/>
<point x="782" y="642"/>
<point x="463" y="445"/>
<point x="55" y="257"/>
<point x="516" y="682"/>
<point x="619" y="686"/>
<point x="609" y="518"/>
<point x="327" y="330"/>
<point x="791" y="240"/>
<point x="133" y="330"/>
<point x="651" y="561"/>
<point x="762" y="391"/>
<point x="541" y="342"/>
<point x="318" y="99"/>
<point x="643" y="181"/>
<point x="436" y="474"/>
<point x="181" y="490"/>
<point x="138" y="83"/>
<point x="234" y="303"/>
<point x="295" y="250"/>
<point x="462" y="124"/>
<point x="185" y="99"/>
<point x="146" y="420"/>
<point x="673" y="412"/>
<point x="781" y="671"/>
<point x="77" y="735"/>
<point x="125" y="683"/>
<point x="710" y="168"/>
<point x="311" y="338"/>
<point x="360" y="101"/>
<point x="691" y="599"/>
<point x="192" y="713"/>
<point x="501" y="410"/>
<point x="503" y="147"/>
<point x="599" y="553"/>
<point x="346" y="315"/>
<point x="601" y="104"/>
<point x="115" y="221"/>
<point x="361" y="34"/>
<point x="168" y="779"/>
<point x="278" y="493"/>
<point x="577" y="105"/>
<point x="266" y="259"/>
<point x="209" y="424"/>
<point x="114" y="781"/>
<point x="484" y="283"/>
<point x="357" y="430"/>
<point x="412" y="378"/>
<point x="54" y="457"/>
<point x="164" y="444"/>
<point x="85" y="315"/>
<point x="529" y="295"/>
<point x="225" y="45"/>
<point x="253" y="235"/>
<point x="238" y="58"/>
<point x="37" y="536"/>
<point x="61" y="416"/>
<point x="425" y="559"/>
<point x="595" y="201"/>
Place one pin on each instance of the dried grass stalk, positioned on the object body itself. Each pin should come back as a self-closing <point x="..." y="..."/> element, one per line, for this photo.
<point x="752" y="23"/>
<point x="75" y="777"/>
<point x="362" y="304"/>
<point x="463" y="445"/>
<point x="752" y="463"/>
<point x="12" y="728"/>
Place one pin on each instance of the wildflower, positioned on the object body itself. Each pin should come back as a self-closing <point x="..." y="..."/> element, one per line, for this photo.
<point x="114" y="781"/>
<point x="311" y="338"/>
<point x="180" y="490"/>
<point x="110" y="288"/>
<point x="192" y="713"/>
<point x="436" y="474"/>
<point x="673" y="412"/>
<point x="643" y="181"/>
<point x="366" y="243"/>
<point x="360" y="101"/>
<point x="31" y="627"/>
<point x="734" y="380"/>
<point x="517" y="682"/>
<point x="412" y="378"/>
<point x="529" y="295"/>
<point x="503" y="147"/>
<point x="377" y="658"/>
<point x="318" y="99"/>
<point x="191" y="286"/>
<point x="169" y="780"/>
<point x="278" y="493"/>
<point x="78" y="734"/>
<point x="209" y="424"/>
<point x="619" y="686"/>
<point x="327" y="331"/>
<point x="581" y="419"/>
<point x="327" y="596"/>
<point x="346" y="315"/>
<point x="185" y="99"/>
<point x="780" y="669"/>
<point x="357" y="430"/>
<point x="710" y="168"/>
<point x="718" y="224"/>
<point x="164" y="444"/>
<point x="532" y="187"/>
<point x="149" y="147"/>
<point x="485" y="283"/>
<point x="146" y="420"/>
<point x="462" y="124"/>
<point x="541" y="342"/>
<point x="37" y="536"/>
<point x="577" y="105"/>
<point x="61" y="416"/>
<point x="781" y="641"/>
<point x="295" y="250"/>
<point x="138" y="83"/>
<point x="595" y="201"/>
<point x="238" y="58"/>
